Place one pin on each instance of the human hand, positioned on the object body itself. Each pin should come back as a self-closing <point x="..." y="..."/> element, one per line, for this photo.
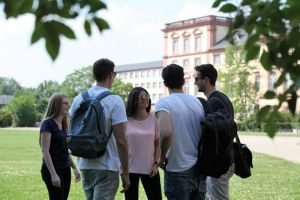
<point x="154" y="169"/>
<point x="77" y="175"/>
<point x="56" y="181"/>
<point x="125" y="182"/>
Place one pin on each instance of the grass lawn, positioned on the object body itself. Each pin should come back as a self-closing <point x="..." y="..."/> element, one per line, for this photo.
<point x="20" y="161"/>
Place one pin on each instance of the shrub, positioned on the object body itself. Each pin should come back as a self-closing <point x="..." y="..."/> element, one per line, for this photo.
<point x="6" y="117"/>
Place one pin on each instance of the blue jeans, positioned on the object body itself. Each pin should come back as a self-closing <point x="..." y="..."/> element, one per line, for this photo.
<point x="183" y="185"/>
<point x="218" y="188"/>
<point x="100" y="184"/>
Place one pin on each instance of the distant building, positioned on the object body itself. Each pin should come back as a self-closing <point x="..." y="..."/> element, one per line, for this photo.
<point x="146" y="75"/>
<point x="5" y="99"/>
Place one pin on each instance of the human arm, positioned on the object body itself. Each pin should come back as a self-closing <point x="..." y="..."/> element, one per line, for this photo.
<point x="166" y="131"/>
<point x="155" y="166"/>
<point x="75" y="170"/>
<point x="45" y="145"/>
<point x="119" y="133"/>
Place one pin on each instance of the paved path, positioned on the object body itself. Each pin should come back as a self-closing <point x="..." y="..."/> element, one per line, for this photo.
<point x="283" y="147"/>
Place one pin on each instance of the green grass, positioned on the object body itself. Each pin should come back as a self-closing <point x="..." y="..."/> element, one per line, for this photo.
<point x="20" y="161"/>
<point x="279" y="134"/>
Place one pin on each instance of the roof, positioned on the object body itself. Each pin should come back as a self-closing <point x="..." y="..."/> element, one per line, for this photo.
<point x="139" y="66"/>
<point x="221" y="44"/>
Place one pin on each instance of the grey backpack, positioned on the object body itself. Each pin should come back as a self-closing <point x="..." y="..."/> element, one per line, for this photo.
<point x="88" y="134"/>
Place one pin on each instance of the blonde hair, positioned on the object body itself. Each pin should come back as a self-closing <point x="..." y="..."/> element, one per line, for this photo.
<point x="54" y="108"/>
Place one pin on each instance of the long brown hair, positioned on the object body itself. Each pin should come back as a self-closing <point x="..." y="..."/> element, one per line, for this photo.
<point x="54" y="108"/>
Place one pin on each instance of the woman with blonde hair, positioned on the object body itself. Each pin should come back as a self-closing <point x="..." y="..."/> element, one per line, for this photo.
<point x="56" y="172"/>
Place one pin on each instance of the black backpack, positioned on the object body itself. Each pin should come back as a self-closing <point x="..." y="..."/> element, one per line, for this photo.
<point x="88" y="134"/>
<point x="215" y="151"/>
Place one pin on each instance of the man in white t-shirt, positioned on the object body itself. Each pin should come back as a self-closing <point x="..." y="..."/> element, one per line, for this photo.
<point x="179" y="117"/>
<point x="100" y="176"/>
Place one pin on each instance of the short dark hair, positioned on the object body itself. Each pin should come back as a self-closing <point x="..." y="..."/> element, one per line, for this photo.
<point x="132" y="102"/>
<point x="208" y="70"/>
<point x="102" y="69"/>
<point x="173" y="76"/>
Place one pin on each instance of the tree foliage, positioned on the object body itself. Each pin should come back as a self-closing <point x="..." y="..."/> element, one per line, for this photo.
<point x="6" y="117"/>
<point x="82" y="79"/>
<point x="24" y="110"/>
<point x="122" y="89"/>
<point x="47" y="88"/>
<point x="234" y="79"/>
<point x="272" y="27"/>
<point x="51" y="17"/>
<point x="8" y="86"/>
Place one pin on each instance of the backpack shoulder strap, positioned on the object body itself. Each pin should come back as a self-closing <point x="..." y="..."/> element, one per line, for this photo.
<point x="85" y="95"/>
<point x="103" y="95"/>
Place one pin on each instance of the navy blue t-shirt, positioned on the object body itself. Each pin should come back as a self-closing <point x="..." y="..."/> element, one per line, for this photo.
<point x="58" y="145"/>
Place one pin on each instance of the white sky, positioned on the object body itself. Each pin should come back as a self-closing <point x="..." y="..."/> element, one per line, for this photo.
<point x="135" y="36"/>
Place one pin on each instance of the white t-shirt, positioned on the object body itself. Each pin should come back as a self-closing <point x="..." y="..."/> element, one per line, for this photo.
<point x="115" y="114"/>
<point x="186" y="112"/>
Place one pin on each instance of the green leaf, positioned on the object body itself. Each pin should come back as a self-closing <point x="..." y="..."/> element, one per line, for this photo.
<point x="26" y="6"/>
<point x="52" y="39"/>
<point x="262" y="113"/>
<point x="252" y="40"/>
<point x="64" y="30"/>
<point x="281" y="79"/>
<point x="265" y="61"/>
<point x="270" y="95"/>
<point x="10" y="9"/>
<point x="252" y="52"/>
<point x="217" y="3"/>
<point x="37" y="33"/>
<point x="228" y="8"/>
<point x="101" y="24"/>
<point x="271" y="128"/>
<point x="87" y="27"/>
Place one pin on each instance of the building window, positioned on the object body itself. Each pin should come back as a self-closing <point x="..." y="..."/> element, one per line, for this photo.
<point x="154" y="97"/>
<point x="186" y="63"/>
<point x="160" y="84"/>
<point x="197" y="61"/>
<point x="198" y="43"/>
<point x="131" y="75"/>
<point x="136" y="85"/>
<point x="175" y="46"/>
<point x="186" y="87"/>
<point x="159" y="72"/>
<point x="148" y="85"/>
<point x="137" y="74"/>
<point x="174" y="61"/>
<point x="125" y="75"/>
<point x="257" y="82"/>
<point x="217" y="59"/>
<point x="154" y="85"/>
<point x="148" y="74"/>
<point x="143" y="85"/>
<point x="186" y="45"/>
<point x="143" y="74"/>
<point x="272" y="80"/>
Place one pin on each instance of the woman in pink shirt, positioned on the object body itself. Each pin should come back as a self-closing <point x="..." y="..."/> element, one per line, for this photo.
<point x="143" y="141"/>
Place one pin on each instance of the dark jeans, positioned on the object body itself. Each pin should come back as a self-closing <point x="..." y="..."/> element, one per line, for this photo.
<point x="184" y="185"/>
<point x="65" y="178"/>
<point x="151" y="187"/>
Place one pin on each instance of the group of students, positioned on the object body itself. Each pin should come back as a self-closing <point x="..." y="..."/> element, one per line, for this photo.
<point x="141" y="141"/>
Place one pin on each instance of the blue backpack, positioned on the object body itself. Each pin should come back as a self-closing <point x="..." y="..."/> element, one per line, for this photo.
<point x="88" y="134"/>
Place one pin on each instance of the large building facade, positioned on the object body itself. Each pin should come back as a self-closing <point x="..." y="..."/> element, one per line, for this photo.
<point x="193" y="42"/>
<point x="146" y="75"/>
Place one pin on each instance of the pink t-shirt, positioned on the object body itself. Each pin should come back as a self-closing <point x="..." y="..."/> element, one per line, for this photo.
<point x="140" y="137"/>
